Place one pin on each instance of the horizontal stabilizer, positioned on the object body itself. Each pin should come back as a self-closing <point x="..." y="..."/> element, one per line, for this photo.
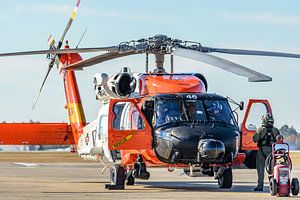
<point x="35" y="134"/>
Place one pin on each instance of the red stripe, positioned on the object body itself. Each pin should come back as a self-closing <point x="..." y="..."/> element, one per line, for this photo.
<point x="78" y="2"/>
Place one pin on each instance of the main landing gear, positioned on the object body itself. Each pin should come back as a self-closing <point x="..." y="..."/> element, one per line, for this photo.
<point x="118" y="175"/>
<point x="117" y="178"/>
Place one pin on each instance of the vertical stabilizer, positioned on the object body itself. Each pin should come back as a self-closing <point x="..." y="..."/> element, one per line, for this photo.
<point x="74" y="105"/>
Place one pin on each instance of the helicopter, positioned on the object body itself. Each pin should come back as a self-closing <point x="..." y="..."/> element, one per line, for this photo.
<point x="151" y="119"/>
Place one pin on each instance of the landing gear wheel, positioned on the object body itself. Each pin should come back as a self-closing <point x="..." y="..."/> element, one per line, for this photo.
<point x="130" y="180"/>
<point x="225" y="179"/>
<point x="295" y="186"/>
<point x="273" y="186"/>
<point x="250" y="159"/>
<point x="117" y="177"/>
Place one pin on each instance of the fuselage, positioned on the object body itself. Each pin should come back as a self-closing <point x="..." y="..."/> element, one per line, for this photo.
<point x="178" y="136"/>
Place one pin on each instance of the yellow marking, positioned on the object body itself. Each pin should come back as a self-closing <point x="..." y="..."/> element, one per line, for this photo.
<point x="51" y="40"/>
<point x="122" y="141"/>
<point x="76" y="113"/>
<point x="73" y="14"/>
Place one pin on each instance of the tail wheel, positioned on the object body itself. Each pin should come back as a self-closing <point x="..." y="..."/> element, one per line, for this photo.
<point x="117" y="175"/>
<point x="295" y="186"/>
<point x="225" y="179"/>
<point x="130" y="180"/>
<point x="273" y="186"/>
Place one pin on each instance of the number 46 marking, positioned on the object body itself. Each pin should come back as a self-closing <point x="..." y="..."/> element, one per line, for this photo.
<point x="191" y="96"/>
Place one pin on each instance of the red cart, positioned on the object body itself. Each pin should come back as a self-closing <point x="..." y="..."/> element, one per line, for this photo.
<point x="279" y="166"/>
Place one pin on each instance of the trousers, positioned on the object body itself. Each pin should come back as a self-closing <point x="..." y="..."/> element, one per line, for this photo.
<point x="261" y="156"/>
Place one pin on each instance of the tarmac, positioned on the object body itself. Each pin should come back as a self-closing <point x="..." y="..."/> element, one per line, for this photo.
<point x="65" y="176"/>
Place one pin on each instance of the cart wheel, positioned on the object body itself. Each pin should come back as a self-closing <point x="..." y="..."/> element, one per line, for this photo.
<point x="295" y="186"/>
<point x="117" y="175"/>
<point x="225" y="179"/>
<point x="273" y="186"/>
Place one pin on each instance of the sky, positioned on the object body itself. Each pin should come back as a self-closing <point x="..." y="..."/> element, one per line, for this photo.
<point x="256" y="24"/>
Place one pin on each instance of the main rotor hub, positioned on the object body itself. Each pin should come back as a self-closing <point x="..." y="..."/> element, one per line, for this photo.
<point x="159" y="45"/>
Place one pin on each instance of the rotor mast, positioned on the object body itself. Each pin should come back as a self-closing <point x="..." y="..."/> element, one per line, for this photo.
<point x="159" y="63"/>
<point x="158" y="47"/>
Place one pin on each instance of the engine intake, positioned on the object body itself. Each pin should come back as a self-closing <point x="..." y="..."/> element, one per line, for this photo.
<point x="203" y="79"/>
<point x="123" y="84"/>
<point x="119" y="85"/>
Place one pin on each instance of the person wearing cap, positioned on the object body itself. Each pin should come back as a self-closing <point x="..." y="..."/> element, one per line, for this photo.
<point x="265" y="136"/>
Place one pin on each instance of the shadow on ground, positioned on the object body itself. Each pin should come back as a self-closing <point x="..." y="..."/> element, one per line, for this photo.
<point x="201" y="186"/>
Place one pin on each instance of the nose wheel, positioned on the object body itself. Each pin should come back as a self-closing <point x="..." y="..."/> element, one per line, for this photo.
<point x="130" y="179"/>
<point x="225" y="178"/>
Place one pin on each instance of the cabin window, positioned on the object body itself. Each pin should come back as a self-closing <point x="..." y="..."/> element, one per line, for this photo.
<point x="137" y="121"/>
<point x="127" y="117"/>
<point x="118" y="110"/>
<point x="102" y="126"/>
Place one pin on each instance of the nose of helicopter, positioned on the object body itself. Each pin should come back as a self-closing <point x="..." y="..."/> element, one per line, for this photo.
<point x="210" y="149"/>
<point x="196" y="143"/>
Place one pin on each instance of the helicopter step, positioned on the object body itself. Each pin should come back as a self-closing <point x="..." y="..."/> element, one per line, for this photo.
<point x="198" y="171"/>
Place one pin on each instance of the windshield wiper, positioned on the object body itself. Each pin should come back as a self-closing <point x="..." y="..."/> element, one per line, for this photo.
<point x="172" y="122"/>
<point x="217" y="118"/>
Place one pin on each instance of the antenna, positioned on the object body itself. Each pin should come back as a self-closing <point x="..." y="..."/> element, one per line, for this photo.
<point x="147" y="62"/>
<point x="81" y="38"/>
<point x="172" y="64"/>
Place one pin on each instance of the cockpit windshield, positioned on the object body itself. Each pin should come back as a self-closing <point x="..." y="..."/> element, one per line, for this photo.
<point x="168" y="110"/>
<point x="219" y="111"/>
<point x="193" y="110"/>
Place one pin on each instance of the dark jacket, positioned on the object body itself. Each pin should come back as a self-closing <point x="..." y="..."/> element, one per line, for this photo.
<point x="261" y="136"/>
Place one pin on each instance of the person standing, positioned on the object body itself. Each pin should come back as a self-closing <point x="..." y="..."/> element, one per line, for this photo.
<point x="265" y="136"/>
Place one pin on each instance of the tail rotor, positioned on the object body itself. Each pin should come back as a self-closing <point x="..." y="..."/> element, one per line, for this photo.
<point x="54" y="58"/>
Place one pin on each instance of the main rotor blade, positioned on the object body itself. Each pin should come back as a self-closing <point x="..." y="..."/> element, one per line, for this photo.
<point x="252" y="52"/>
<point x="73" y="15"/>
<point x="60" y="51"/>
<point x="97" y="59"/>
<point x="253" y="76"/>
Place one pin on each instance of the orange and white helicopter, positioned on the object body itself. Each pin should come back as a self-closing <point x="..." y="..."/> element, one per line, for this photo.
<point x="152" y="119"/>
